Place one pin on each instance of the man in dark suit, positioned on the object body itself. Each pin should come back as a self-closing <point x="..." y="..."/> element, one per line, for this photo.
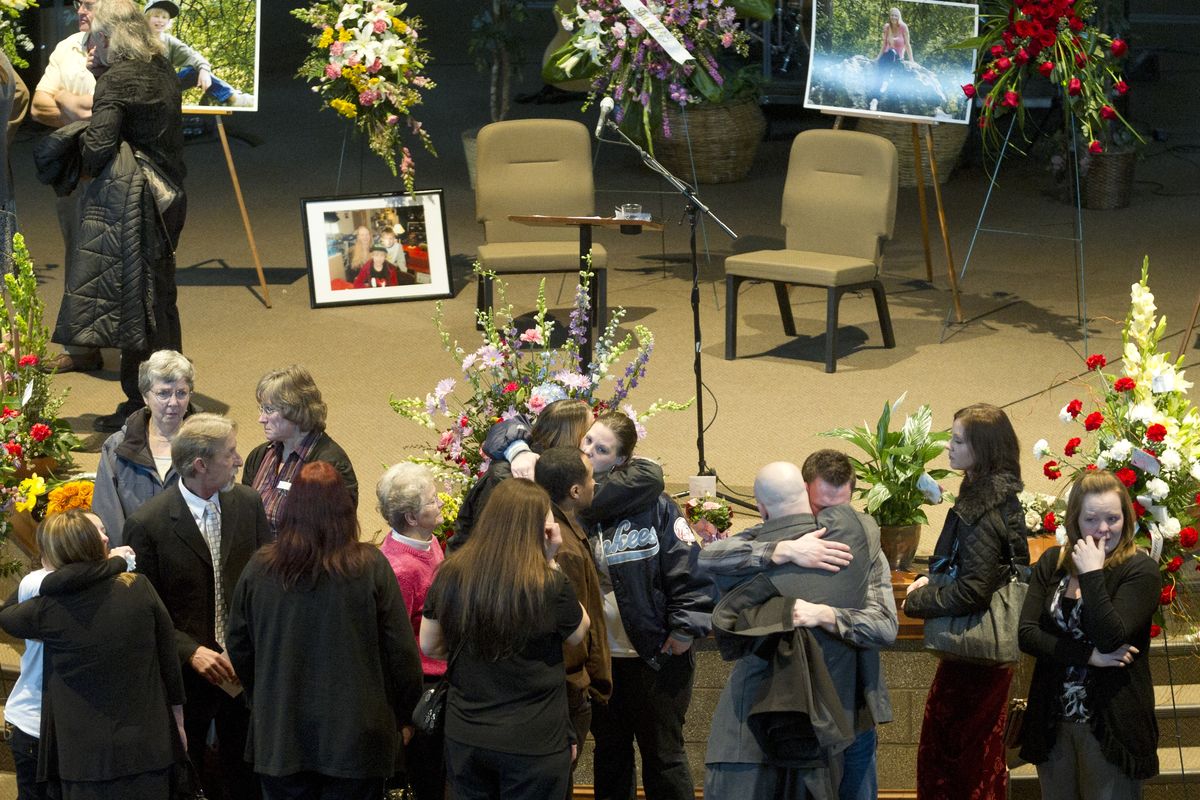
<point x="204" y="527"/>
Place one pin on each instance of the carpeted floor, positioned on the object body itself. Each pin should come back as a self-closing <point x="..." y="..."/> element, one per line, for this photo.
<point x="1021" y="349"/>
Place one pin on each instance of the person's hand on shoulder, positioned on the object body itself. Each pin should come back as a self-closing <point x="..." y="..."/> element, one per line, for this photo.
<point x="813" y="552"/>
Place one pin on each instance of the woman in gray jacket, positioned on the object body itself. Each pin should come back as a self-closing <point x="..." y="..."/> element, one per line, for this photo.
<point x="135" y="462"/>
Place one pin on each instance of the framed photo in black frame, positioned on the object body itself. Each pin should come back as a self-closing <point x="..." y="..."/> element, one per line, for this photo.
<point x="378" y="248"/>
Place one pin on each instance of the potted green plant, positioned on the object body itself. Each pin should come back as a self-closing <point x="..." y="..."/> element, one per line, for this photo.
<point x="894" y="477"/>
<point x="495" y="44"/>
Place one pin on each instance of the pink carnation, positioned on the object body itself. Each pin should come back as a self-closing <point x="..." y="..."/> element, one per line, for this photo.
<point x="331" y="71"/>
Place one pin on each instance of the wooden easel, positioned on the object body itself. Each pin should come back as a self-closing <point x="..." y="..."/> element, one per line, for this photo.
<point x="921" y="202"/>
<point x="219" y="113"/>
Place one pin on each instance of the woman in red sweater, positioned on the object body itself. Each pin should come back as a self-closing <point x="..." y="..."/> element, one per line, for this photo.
<point x="409" y="503"/>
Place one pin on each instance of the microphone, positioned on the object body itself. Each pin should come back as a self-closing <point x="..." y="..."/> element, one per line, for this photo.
<point x="606" y="107"/>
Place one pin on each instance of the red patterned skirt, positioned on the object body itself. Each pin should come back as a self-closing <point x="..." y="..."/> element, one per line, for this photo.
<point x="961" y="754"/>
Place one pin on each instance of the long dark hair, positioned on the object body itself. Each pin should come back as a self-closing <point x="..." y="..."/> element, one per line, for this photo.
<point x="318" y="533"/>
<point x="992" y="440"/>
<point x="563" y="422"/>
<point x="491" y="594"/>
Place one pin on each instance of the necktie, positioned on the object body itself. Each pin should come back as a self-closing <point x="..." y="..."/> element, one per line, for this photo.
<point x="211" y="528"/>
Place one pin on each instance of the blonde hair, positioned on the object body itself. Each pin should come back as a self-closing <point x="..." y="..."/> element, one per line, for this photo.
<point x="68" y="538"/>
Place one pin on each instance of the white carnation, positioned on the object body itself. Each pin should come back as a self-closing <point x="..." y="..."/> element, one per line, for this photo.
<point x="1060" y="535"/>
<point x="1065" y="415"/>
<point x="1041" y="448"/>
<point x="1033" y="520"/>
<point x="1120" y="450"/>
<point x="1170" y="529"/>
<point x="1157" y="488"/>
<point x="1170" y="460"/>
<point x="1102" y="459"/>
<point x="1194" y="470"/>
<point x="1143" y="412"/>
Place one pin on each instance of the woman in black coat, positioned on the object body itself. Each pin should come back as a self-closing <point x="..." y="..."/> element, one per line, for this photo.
<point x="1090" y="725"/>
<point x="111" y="680"/>
<point x="961" y="751"/>
<point x="137" y="101"/>
<point x="320" y="638"/>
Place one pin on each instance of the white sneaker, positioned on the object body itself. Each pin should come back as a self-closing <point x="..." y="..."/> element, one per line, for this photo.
<point x="874" y="104"/>
<point x="242" y="100"/>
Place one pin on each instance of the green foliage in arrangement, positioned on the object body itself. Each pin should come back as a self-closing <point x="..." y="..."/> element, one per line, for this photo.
<point x="224" y="32"/>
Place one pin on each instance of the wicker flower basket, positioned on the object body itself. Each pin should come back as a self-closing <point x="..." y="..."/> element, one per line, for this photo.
<point x="948" y="141"/>
<point x="1108" y="182"/>
<point x="722" y="140"/>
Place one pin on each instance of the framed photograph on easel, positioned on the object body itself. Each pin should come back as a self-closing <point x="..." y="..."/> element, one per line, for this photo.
<point x="213" y="45"/>
<point x="377" y="248"/>
<point x="894" y="59"/>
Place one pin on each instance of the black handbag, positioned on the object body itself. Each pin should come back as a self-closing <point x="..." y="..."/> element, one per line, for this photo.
<point x="429" y="715"/>
<point x="983" y="637"/>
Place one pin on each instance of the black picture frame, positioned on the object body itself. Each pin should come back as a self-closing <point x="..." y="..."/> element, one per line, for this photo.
<point x="342" y="270"/>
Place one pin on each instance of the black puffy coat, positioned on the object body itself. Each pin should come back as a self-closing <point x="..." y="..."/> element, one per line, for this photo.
<point x="986" y="515"/>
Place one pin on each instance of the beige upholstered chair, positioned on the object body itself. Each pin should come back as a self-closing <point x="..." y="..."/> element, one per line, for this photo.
<point x="535" y="166"/>
<point x="839" y="205"/>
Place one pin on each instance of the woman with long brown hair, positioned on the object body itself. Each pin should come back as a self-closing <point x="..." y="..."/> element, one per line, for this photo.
<point x="499" y="611"/>
<point x="1090" y="725"/>
<point x="318" y="631"/>
<point x="961" y="751"/>
<point x="562" y="422"/>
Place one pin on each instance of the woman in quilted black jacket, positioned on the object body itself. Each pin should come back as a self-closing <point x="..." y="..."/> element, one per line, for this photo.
<point x="961" y="752"/>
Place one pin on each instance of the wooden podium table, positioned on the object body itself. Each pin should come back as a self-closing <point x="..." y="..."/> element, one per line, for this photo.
<point x="598" y="289"/>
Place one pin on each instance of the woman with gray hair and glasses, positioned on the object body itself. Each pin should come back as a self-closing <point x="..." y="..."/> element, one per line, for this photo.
<point x="292" y="414"/>
<point x="135" y="462"/>
<point x="409" y="503"/>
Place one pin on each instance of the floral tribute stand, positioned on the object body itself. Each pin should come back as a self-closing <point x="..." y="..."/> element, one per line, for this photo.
<point x="1055" y="41"/>
<point x="1076" y="238"/>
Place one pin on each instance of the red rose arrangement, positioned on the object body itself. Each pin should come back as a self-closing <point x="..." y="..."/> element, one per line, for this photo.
<point x="1146" y="431"/>
<point x="1049" y="38"/>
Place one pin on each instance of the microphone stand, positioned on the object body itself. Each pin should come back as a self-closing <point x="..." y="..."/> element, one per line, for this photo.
<point x="695" y="207"/>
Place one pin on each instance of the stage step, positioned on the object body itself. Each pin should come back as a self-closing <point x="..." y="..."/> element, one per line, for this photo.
<point x="1172" y="783"/>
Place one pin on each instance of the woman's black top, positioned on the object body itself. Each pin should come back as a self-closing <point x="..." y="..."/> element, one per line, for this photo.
<point x="518" y="704"/>
<point x="137" y="102"/>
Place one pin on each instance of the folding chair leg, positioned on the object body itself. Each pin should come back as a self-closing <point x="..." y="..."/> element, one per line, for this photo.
<point x="831" y="326"/>
<point x="483" y="297"/>
<point x="600" y="302"/>
<point x="731" y="302"/>
<point x="885" y="318"/>
<point x="785" y="308"/>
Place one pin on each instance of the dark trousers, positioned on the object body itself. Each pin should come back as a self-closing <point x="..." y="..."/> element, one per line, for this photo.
<point x="167" y="333"/>
<point x="25" y="757"/>
<point x="477" y="773"/>
<point x="208" y="705"/>
<point x="154" y="785"/>
<point x="314" y="786"/>
<point x="425" y="766"/>
<point x="579" y="710"/>
<point x="648" y="706"/>
<point x="860" y="780"/>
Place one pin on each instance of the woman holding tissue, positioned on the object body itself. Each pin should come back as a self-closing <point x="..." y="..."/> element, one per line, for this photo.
<point x="961" y="752"/>
<point x="1090" y="726"/>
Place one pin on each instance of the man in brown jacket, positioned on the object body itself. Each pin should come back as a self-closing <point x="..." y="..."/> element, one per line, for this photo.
<point x="567" y="476"/>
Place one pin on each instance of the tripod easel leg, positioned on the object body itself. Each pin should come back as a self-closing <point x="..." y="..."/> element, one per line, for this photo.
<point x="941" y="209"/>
<point x="919" y="169"/>
<point x="237" y="190"/>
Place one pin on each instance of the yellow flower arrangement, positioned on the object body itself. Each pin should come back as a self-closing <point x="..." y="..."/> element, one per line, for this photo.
<point x="73" y="494"/>
<point x="28" y="491"/>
